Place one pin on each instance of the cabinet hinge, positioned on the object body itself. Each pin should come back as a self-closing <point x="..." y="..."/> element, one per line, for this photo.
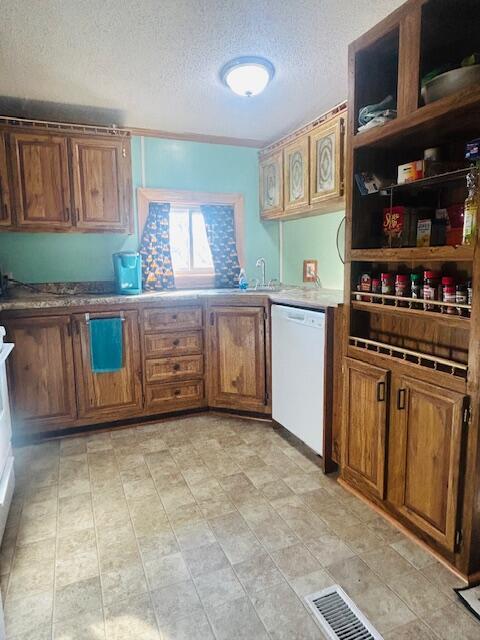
<point x="212" y="318"/>
<point x="267" y="397"/>
<point x="124" y="152"/>
<point x="265" y="314"/>
<point x="342" y="125"/>
<point x="467" y="415"/>
<point x="458" y="538"/>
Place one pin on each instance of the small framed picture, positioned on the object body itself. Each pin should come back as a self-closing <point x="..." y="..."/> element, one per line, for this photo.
<point x="310" y="269"/>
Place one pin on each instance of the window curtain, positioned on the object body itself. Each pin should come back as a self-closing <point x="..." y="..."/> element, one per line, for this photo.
<point x="157" y="271"/>
<point x="220" y="227"/>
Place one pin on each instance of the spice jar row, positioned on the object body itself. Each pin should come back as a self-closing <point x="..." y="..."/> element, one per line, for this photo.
<point x="428" y="286"/>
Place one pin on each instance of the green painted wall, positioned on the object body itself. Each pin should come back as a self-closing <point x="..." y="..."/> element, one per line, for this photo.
<point x="313" y="238"/>
<point x="54" y="257"/>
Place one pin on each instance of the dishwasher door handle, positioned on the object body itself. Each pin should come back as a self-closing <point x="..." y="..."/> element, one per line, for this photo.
<point x="296" y="317"/>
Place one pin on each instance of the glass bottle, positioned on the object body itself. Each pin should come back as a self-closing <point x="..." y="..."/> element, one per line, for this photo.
<point x="471" y="209"/>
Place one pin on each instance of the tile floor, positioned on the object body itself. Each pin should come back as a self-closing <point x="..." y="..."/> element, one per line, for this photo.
<point x="203" y="528"/>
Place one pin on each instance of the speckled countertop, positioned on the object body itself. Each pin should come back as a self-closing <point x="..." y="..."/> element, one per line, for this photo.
<point x="295" y="296"/>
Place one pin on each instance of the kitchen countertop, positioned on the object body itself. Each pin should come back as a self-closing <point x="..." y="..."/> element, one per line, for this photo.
<point x="311" y="298"/>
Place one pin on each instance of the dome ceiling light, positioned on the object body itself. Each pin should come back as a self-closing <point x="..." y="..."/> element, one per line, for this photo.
<point x="247" y="76"/>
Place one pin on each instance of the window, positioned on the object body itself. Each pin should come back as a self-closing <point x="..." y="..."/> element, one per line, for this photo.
<point x="191" y="257"/>
<point x="188" y="242"/>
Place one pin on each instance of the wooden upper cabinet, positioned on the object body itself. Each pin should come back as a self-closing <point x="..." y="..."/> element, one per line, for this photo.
<point x="271" y="185"/>
<point x="42" y="383"/>
<point x="296" y="189"/>
<point x="424" y="461"/>
<point x="111" y="395"/>
<point x="364" y="437"/>
<point x="326" y="160"/>
<point x="101" y="179"/>
<point x="41" y="180"/>
<point x="236" y="358"/>
<point x="5" y="195"/>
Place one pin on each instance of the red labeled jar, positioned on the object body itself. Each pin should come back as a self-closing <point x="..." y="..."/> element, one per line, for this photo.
<point x="387" y="283"/>
<point x="449" y="296"/>
<point x="447" y="281"/>
<point x="401" y="288"/>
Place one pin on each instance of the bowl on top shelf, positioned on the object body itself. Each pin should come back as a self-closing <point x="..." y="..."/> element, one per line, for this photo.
<point x="450" y="82"/>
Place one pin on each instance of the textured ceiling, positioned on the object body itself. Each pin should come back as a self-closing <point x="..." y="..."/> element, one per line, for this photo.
<point x="155" y="63"/>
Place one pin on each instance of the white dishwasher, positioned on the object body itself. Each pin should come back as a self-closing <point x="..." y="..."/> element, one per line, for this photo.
<point x="298" y="358"/>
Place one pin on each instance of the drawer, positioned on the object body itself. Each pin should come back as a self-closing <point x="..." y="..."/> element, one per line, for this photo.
<point x="172" y="318"/>
<point x="174" y="395"/>
<point x="166" y="369"/>
<point x="173" y="344"/>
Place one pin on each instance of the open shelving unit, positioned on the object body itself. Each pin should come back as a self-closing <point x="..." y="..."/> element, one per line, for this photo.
<point x="412" y="388"/>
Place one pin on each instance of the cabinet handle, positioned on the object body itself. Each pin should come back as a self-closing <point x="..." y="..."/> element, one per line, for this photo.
<point x="176" y="342"/>
<point x="74" y="216"/>
<point x="401" y="393"/>
<point x="176" y="366"/>
<point x="177" y="392"/>
<point x="67" y="213"/>
<point x="174" y="316"/>
<point x="381" y="391"/>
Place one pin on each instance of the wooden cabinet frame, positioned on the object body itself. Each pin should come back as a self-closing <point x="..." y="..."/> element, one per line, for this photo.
<point x="46" y="184"/>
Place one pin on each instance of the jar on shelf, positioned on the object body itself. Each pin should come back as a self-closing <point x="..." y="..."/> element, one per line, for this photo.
<point x="415" y="287"/>
<point x="469" y="292"/>
<point x="430" y="288"/>
<point x="387" y="284"/>
<point x="376" y="287"/>
<point x="461" y="297"/>
<point x="447" y="281"/>
<point x="366" y="285"/>
<point x="449" y="295"/>
<point x="401" y="287"/>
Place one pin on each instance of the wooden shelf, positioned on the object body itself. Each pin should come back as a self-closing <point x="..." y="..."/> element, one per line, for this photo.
<point x="414" y="254"/>
<point x="431" y="181"/>
<point x="439" y="117"/>
<point x="436" y="363"/>
<point x="443" y="318"/>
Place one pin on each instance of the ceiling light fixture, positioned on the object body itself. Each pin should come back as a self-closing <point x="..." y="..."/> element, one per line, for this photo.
<point x="248" y="75"/>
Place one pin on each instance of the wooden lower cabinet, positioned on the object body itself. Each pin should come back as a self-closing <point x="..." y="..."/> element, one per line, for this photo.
<point x="237" y="358"/>
<point x="402" y="447"/>
<point x="364" y="440"/>
<point x="108" y="396"/>
<point x="41" y="374"/>
<point x="424" y="462"/>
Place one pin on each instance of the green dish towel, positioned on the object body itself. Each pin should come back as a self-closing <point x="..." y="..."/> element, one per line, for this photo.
<point x="106" y="344"/>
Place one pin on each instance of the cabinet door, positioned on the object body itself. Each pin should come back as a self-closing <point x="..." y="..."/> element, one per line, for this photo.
<point x="5" y="198"/>
<point x="42" y="384"/>
<point x="108" y="395"/>
<point x="271" y="185"/>
<point x="424" y="459"/>
<point x="101" y="179"/>
<point x="326" y="161"/>
<point x="364" y="441"/>
<point x="41" y="180"/>
<point x="236" y="358"/>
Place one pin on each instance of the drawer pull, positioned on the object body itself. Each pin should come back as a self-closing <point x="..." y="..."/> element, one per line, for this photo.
<point x="176" y="342"/>
<point x="401" y="399"/>
<point x="177" y="392"/>
<point x="176" y="367"/>
<point x="380" y="391"/>
<point x="174" y="316"/>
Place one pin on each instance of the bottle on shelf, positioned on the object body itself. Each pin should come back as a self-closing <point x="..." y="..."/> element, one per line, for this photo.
<point x="471" y="209"/>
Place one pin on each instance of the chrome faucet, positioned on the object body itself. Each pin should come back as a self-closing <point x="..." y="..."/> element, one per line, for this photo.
<point x="261" y="263"/>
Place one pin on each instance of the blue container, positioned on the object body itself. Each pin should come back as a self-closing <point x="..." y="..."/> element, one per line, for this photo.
<point x="127" y="266"/>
